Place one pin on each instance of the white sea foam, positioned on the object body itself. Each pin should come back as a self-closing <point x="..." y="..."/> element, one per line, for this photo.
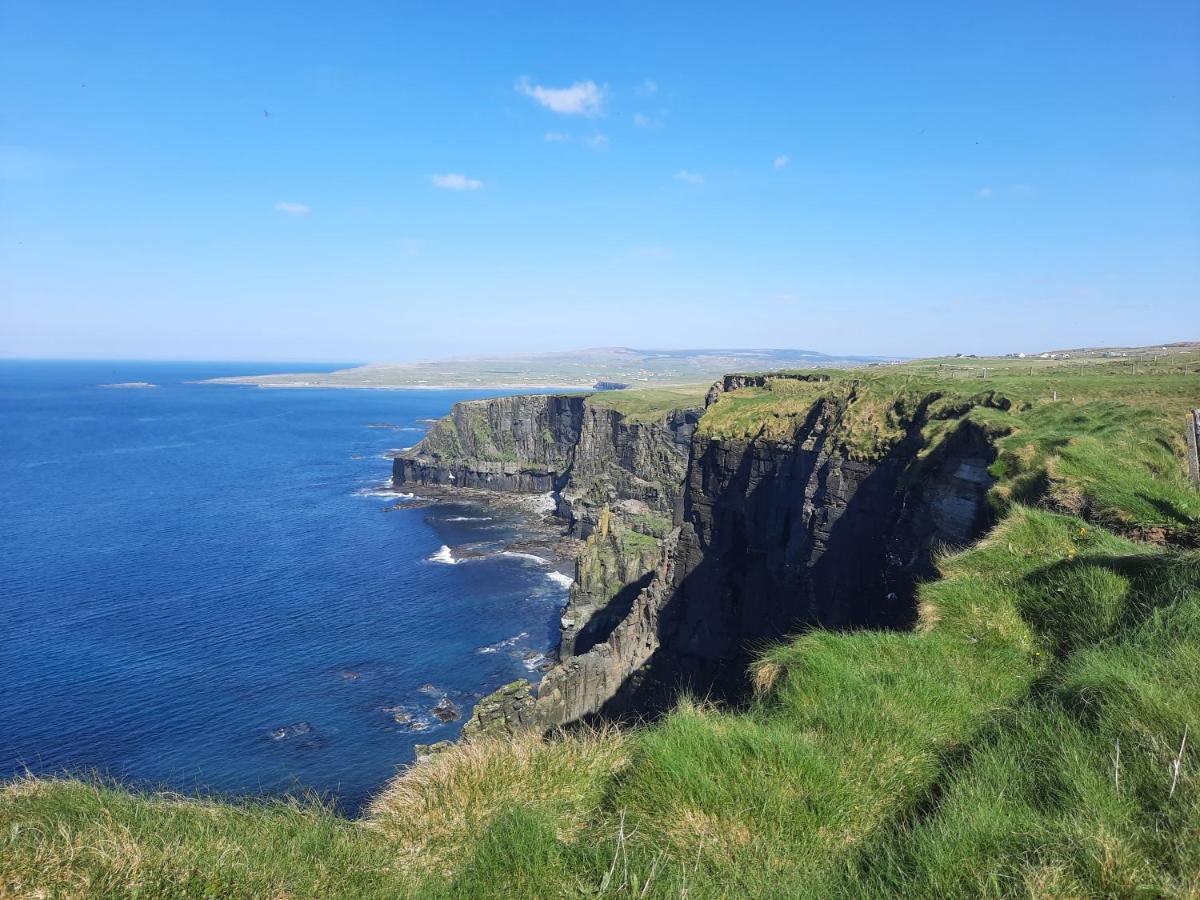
<point x="443" y="555"/>
<point x="468" y="519"/>
<point x="540" y="560"/>
<point x="560" y="579"/>
<point x="384" y="490"/>
<point x="500" y="645"/>
<point x="533" y="662"/>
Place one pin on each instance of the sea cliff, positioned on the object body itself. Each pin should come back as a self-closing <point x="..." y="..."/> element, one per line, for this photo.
<point x="705" y="539"/>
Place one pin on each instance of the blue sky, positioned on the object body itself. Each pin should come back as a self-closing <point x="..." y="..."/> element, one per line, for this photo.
<point x="377" y="181"/>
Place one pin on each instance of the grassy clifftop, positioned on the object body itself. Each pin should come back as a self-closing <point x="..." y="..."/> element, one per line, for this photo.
<point x="650" y="404"/>
<point x="1096" y="440"/>
<point x="1024" y="740"/>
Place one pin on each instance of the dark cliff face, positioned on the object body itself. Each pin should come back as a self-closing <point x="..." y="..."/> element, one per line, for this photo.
<point x="519" y="444"/>
<point x="779" y="537"/>
<point x="776" y="537"/>
<point x="619" y="460"/>
<point x="701" y="548"/>
<point x="594" y="456"/>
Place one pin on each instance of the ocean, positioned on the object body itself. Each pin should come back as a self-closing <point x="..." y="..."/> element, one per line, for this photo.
<point x="203" y="588"/>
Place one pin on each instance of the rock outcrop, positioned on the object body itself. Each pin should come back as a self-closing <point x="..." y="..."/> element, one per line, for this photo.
<point x="611" y="677"/>
<point x="519" y="444"/>
<point x="618" y="459"/>
<point x="592" y="456"/>
<point x="614" y="565"/>
<point x="503" y="712"/>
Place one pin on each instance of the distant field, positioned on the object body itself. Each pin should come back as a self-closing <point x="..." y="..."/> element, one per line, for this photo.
<point x="581" y="370"/>
<point x="575" y="370"/>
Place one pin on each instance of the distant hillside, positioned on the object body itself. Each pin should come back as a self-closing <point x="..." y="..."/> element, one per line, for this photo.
<point x="577" y="369"/>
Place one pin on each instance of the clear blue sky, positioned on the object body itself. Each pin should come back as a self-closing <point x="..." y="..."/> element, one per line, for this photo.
<point x="431" y="179"/>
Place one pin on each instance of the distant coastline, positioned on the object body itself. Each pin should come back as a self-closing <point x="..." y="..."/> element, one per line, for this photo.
<point x="579" y="370"/>
<point x="260" y="382"/>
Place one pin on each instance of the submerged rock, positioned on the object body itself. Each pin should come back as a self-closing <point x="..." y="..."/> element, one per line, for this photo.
<point x="296" y="729"/>
<point x="446" y="710"/>
<point x="399" y="714"/>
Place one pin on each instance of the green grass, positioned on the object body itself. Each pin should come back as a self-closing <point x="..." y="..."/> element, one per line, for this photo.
<point x="973" y="756"/>
<point x="1071" y="795"/>
<point x="75" y="839"/>
<point x="650" y="404"/>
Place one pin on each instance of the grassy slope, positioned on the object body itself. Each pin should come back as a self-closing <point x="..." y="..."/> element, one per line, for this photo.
<point x="973" y="756"/>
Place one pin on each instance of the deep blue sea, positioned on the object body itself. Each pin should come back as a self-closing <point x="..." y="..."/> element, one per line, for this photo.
<point x="200" y="588"/>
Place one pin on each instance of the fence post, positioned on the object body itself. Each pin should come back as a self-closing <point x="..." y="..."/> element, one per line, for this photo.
<point x="1193" y="441"/>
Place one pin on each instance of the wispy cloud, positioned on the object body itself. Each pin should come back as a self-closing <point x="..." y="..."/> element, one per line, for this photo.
<point x="641" y="120"/>
<point x="781" y="161"/>
<point x="647" y="88"/>
<point x="689" y="177"/>
<point x="583" y="98"/>
<point x="596" y="142"/>
<point x="453" y="181"/>
<point x="412" y="246"/>
<point x="985" y="193"/>
<point x="292" y="209"/>
<point x="556" y="137"/>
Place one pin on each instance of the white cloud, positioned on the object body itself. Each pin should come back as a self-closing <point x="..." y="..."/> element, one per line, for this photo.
<point x="781" y="161"/>
<point x="689" y="177"/>
<point x="984" y="193"/>
<point x="647" y="88"/>
<point x="583" y="98"/>
<point x="556" y="137"/>
<point x="597" y="142"/>
<point x="292" y="209"/>
<point x="641" y="120"/>
<point x="456" y="182"/>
